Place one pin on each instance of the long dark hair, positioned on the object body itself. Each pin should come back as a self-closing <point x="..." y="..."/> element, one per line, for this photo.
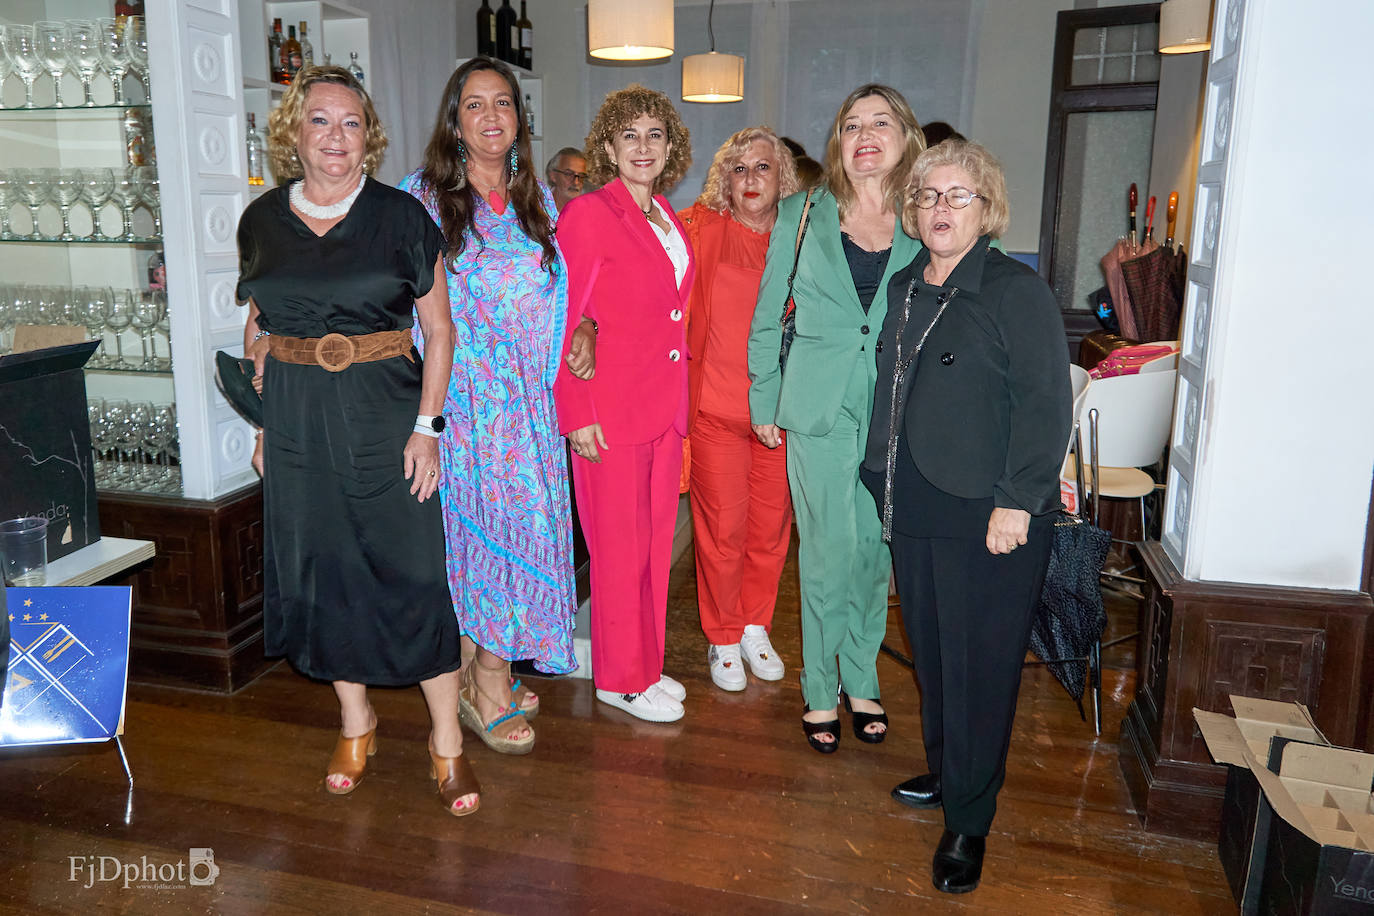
<point x="443" y="170"/>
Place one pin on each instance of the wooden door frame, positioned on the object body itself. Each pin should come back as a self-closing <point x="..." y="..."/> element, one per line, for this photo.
<point x="1067" y="99"/>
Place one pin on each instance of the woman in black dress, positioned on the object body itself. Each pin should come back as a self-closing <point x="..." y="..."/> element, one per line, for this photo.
<point x="332" y="265"/>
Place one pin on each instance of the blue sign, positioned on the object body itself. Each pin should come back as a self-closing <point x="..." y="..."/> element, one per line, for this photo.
<point x="68" y="665"/>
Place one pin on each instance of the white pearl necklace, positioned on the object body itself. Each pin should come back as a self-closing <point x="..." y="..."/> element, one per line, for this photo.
<point x="315" y="211"/>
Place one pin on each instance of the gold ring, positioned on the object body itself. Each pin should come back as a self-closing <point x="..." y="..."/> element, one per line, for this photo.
<point x="431" y="473"/>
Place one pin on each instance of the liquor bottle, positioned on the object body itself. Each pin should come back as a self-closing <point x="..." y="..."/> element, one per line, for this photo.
<point x="506" y="48"/>
<point x="135" y="142"/>
<point x="307" y="49"/>
<point x="353" y="67"/>
<point x="526" y="45"/>
<point x="274" y="44"/>
<point x="291" y="53"/>
<point x="529" y="113"/>
<point x="123" y="9"/>
<point x="256" y="153"/>
<point x="486" y="30"/>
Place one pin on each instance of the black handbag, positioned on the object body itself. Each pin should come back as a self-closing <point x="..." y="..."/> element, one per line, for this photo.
<point x="789" y="308"/>
<point x="234" y="376"/>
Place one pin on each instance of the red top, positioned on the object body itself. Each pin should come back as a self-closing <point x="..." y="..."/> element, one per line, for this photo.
<point x="730" y="267"/>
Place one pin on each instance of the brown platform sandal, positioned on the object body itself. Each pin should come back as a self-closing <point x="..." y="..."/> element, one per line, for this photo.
<point x="455" y="779"/>
<point x="495" y="734"/>
<point x="349" y="760"/>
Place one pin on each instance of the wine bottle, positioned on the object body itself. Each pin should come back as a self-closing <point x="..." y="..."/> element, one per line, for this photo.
<point x="256" y="153"/>
<point x="529" y="113"/>
<point x="274" y="43"/>
<point x="505" y="31"/>
<point x="291" y="53"/>
<point x="307" y="49"/>
<point x="526" y="29"/>
<point x="353" y="67"/>
<point x="486" y="30"/>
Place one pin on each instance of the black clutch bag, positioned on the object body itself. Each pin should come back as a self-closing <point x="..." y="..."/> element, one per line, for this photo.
<point x="234" y="376"/>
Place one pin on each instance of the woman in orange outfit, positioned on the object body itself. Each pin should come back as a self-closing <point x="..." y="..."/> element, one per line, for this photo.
<point x="741" y="510"/>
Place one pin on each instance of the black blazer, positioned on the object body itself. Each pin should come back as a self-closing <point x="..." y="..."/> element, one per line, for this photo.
<point x="987" y="407"/>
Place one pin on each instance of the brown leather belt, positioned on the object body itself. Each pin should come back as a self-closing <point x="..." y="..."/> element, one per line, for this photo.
<point x="336" y="352"/>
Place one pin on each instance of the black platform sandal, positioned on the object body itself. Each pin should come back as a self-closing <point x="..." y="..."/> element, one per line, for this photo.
<point x="814" y="729"/>
<point x="861" y="721"/>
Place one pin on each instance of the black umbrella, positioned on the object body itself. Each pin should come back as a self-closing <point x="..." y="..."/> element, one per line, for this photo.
<point x="1070" y="618"/>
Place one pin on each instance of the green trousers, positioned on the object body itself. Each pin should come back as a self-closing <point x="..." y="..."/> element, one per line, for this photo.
<point x="843" y="563"/>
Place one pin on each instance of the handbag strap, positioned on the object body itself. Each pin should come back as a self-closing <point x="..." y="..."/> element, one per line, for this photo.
<point x="796" y="253"/>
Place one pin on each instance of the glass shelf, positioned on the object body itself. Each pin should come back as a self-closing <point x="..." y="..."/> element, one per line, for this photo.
<point x="139" y="242"/>
<point x="90" y="110"/>
<point x="155" y="373"/>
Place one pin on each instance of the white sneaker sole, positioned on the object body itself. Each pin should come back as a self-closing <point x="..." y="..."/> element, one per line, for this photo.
<point x="730" y="685"/>
<point x="654" y="713"/>
<point x="763" y="674"/>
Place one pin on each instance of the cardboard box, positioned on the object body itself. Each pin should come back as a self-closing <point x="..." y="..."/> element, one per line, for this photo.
<point x="1246" y="817"/>
<point x="46" y="464"/>
<point x="1321" y="848"/>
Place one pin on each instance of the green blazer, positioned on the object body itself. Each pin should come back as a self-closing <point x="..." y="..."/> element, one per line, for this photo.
<point x="833" y="332"/>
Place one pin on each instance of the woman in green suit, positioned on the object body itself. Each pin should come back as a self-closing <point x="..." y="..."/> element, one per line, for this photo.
<point x="823" y="399"/>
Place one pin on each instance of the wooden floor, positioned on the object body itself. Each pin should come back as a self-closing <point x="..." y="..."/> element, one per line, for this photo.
<point x="727" y="811"/>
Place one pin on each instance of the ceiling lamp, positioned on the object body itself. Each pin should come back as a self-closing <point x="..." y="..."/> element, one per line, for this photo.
<point x="712" y="77"/>
<point x="1185" y="26"/>
<point x="630" y="29"/>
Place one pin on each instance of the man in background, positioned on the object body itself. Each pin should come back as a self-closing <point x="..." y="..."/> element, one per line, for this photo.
<point x="566" y="174"/>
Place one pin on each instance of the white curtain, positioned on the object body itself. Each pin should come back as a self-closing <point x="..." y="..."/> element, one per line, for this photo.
<point x="802" y="58"/>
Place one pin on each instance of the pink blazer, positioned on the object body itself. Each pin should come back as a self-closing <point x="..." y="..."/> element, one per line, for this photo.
<point x="620" y="276"/>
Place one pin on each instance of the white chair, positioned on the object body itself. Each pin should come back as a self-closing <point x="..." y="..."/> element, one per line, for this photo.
<point x="1129" y="418"/>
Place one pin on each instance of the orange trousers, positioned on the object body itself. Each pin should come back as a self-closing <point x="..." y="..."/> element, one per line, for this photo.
<point x="741" y="525"/>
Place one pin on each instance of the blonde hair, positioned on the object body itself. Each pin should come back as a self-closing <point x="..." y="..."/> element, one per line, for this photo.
<point x="284" y="124"/>
<point x="715" y="195"/>
<point x="619" y="111"/>
<point x="915" y="143"/>
<point x="989" y="183"/>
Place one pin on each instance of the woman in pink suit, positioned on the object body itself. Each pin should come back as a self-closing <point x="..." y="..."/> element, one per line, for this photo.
<point x="630" y="271"/>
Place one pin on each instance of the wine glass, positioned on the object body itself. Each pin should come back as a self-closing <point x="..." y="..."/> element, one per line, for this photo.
<point x="114" y="55"/>
<point x="95" y="409"/>
<point x="120" y="437"/>
<point x="127" y="192"/>
<point x="23" y="48"/>
<point x="9" y="317"/>
<point x="33" y="187"/>
<point x="148" y="308"/>
<point x="51" y="38"/>
<point x="165" y="417"/>
<point x="120" y="317"/>
<point x="164" y="324"/>
<point x="93" y="305"/>
<point x="96" y="187"/>
<point x="136" y="41"/>
<point x="83" y="49"/>
<point x="151" y="195"/>
<point x="66" y="187"/>
<point x="6" y="65"/>
<point x="9" y="195"/>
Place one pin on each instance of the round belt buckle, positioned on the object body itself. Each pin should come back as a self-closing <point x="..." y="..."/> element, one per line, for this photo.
<point x="335" y="352"/>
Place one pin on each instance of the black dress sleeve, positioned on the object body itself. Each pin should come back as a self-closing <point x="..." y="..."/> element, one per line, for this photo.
<point x="425" y="245"/>
<point x="249" y="263"/>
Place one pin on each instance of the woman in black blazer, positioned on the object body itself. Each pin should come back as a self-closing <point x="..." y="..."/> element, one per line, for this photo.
<point x="969" y="423"/>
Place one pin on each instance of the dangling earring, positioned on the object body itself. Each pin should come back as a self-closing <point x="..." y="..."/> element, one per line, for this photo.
<point x="462" y="180"/>
<point x="514" y="162"/>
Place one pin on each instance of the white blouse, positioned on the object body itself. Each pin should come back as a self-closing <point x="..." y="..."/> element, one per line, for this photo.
<point x="674" y="245"/>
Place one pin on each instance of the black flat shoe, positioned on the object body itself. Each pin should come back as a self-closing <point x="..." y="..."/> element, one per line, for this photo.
<point x="814" y="729"/>
<point x="919" y="791"/>
<point x="861" y="721"/>
<point x="958" y="863"/>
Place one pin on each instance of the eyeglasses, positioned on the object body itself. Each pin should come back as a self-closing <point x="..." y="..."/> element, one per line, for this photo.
<point x="570" y="174"/>
<point x="957" y="198"/>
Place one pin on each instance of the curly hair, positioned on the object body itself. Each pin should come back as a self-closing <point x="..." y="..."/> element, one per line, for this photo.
<point x="836" y="179"/>
<point x="715" y="195"/>
<point x="982" y="166"/>
<point x="443" y="176"/>
<point x="619" y="111"/>
<point x="284" y="124"/>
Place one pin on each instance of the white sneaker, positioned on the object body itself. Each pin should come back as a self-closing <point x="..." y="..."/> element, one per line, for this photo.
<point x="653" y="705"/>
<point x="673" y="688"/>
<point x="760" y="655"/>
<point x="727" y="668"/>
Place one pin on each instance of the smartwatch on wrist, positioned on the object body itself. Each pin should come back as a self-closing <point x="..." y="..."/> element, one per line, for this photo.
<point x="433" y="424"/>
